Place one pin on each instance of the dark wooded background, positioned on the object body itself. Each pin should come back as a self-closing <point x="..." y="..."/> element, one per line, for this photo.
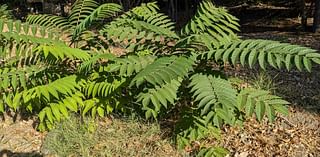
<point x="179" y="10"/>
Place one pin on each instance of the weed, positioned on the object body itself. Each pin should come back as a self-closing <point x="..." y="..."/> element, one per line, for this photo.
<point x="264" y="81"/>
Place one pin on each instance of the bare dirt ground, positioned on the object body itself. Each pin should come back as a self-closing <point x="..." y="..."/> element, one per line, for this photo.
<point x="19" y="138"/>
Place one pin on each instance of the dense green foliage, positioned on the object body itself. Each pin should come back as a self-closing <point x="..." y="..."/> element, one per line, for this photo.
<point x="45" y="70"/>
<point x="4" y="12"/>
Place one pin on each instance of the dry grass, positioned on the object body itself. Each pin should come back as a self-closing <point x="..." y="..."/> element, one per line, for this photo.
<point x="109" y="138"/>
<point x="132" y="138"/>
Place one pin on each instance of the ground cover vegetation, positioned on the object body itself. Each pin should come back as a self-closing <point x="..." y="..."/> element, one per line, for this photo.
<point x="56" y="67"/>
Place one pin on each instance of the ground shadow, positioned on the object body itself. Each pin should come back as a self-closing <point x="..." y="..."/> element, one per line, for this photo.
<point x="300" y="88"/>
<point x="8" y="153"/>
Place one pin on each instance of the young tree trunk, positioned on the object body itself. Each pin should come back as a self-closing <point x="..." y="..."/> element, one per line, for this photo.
<point x="316" y="19"/>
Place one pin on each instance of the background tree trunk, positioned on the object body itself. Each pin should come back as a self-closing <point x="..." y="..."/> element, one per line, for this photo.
<point x="316" y="20"/>
<point x="303" y="14"/>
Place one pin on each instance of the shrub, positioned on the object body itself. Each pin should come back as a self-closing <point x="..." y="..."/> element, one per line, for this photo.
<point x="163" y="73"/>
